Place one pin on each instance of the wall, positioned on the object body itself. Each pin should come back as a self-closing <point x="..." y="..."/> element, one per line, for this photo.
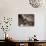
<point x="11" y="8"/>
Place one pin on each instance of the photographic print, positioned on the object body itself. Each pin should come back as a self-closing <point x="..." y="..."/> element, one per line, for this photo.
<point x="26" y="19"/>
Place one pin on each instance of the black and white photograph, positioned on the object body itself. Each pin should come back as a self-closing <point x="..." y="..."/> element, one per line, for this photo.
<point x="26" y="19"/>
